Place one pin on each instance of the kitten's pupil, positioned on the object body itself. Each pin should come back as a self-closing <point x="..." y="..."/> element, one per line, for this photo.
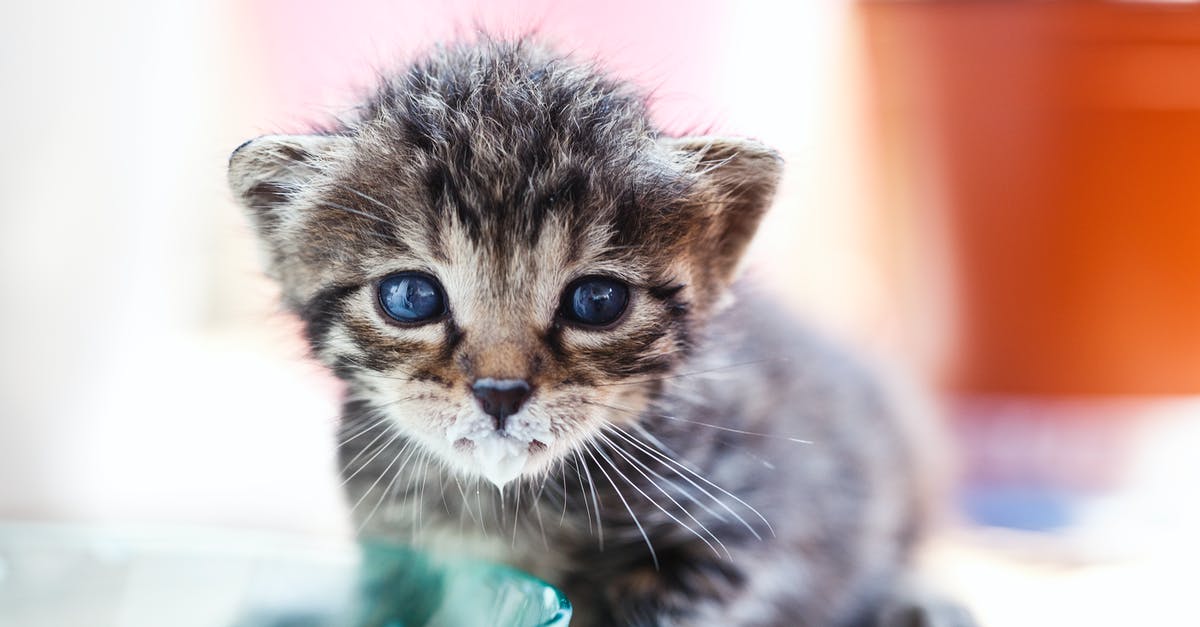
<point x="596" y="301"/>
<point x="411" y="297"/>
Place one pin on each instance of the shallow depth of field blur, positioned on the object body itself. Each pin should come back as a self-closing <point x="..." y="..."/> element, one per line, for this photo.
<point x="998" y="203"/>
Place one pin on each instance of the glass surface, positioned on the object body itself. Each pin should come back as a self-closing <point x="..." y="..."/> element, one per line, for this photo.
<point x="63" y="576"/>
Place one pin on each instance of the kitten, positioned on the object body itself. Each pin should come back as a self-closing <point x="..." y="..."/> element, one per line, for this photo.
<point x="527" y="289"/>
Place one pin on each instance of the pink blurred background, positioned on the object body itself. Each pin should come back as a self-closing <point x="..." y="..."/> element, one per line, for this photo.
<point x="994" y="202"/>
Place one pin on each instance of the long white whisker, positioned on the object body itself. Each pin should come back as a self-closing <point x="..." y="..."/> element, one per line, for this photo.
<point x="702" y="538"/>
<point x="563" y="471"/>
<point x="363" y="465"/>
<point x="676" y="466"/>
<point x="636" y="522"/>
<point x="421" y="495"/>
<point x="445" y="504"/>
<point x="695" y="373"/>
<point x="465" y="502"/>
<point x="771" y="436"/>
<point x="699" y="503"/>
<point x="660" y="507"/>
<point x="595" y="499"/>
<point x="386" y="490"/>
<point x="369" y="368"/>
<point x="537" y="510"/>
<point x="516" y="514"/>
<point x="368" y="491"/>
<point x="479" y="504"/>
<point x="360" y="429"/>
<point x="365" y="448"/>
<point x="587" y="506"/>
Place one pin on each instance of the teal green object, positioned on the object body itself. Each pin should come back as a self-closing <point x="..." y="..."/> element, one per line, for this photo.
<point x="402" y="587"/>
<point x="56" y="575"/>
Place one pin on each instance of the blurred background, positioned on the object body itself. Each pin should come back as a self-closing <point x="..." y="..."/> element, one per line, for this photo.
<point x="999" y="202"/>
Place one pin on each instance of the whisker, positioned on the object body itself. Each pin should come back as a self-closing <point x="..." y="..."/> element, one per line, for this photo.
<point x="396" y="401"/>
<point x="641" y="466"/>
<point x="701" y="504"/>
<point x="653" y="556"/>
<point x="516" y="515"/>
<point x="376" y="375"/>
<point x="595" y="499"/>
<point x="421" y="494"/>
<point x="563" y="471"/>
<point x="465" y="502"/>
<point x="363" y="451"/>
<point x="692" y="374"/>
<point x="663" y="449"/>
<point x="386" y="491"/>
<point x="537" y="509"/>
<point x="732" y="430"/>
<point x="771" y="436"/>
<point x="676" y="466"/>
<point x="445" y="505"/>
<point x="660" y="507"/>
<point x="375" y="483"/>
<point x="360" y="429"/>
<point x="479" y="504"/>
<point x="587" y="506"/>
<point x="503" y="509"/>
<point x="368" y="370"/>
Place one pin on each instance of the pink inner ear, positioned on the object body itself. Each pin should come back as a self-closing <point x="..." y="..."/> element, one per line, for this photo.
<point x="313" y="55"/>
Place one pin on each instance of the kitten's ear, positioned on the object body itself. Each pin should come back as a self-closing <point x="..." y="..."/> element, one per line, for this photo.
<point x="266" y="172"/>
<point x="737" y="181"/>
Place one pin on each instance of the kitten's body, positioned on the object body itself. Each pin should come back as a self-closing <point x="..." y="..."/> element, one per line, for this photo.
<point x="686" y="463"/>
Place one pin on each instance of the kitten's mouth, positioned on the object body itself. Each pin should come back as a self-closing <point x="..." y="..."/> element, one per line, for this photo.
<point x="465" y="446"/>
<point x="498" y="456"/>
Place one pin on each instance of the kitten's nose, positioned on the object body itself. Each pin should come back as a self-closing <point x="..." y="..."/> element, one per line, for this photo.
<point x="500" y="398"/>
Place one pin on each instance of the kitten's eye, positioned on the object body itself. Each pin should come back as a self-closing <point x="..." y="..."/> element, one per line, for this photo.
<point x="595" y="301"/>
<point x="412" y="297"/>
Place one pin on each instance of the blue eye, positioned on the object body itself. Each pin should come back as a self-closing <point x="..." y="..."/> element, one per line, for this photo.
<point x="595" y="301"/>
<point x="412" y="297"/>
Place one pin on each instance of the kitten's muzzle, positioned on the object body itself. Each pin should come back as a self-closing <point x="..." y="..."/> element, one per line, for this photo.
<point x="501" y="398"/>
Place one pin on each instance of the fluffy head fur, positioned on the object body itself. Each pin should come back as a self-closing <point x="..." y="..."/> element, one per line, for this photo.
<point x="506" y="172"/>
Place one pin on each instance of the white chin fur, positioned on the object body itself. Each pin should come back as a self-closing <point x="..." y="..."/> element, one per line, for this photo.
<point x="500" y="456"/>
<point x="501" y="459"/>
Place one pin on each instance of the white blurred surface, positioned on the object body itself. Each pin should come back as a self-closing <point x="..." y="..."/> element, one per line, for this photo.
<point x="127" y="392"/>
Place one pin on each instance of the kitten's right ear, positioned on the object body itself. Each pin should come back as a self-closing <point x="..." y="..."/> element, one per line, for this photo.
<point x="265" y="173"/>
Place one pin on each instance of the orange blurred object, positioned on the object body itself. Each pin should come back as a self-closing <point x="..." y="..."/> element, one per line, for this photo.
<point x="1059" y="147"/>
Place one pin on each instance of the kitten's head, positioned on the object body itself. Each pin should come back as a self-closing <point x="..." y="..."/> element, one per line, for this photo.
<point x="501" y="254"/>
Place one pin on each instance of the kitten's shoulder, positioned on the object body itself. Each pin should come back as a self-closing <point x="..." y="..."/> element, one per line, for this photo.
<point x="802" y="382"/>
<point x="758" y="328"/>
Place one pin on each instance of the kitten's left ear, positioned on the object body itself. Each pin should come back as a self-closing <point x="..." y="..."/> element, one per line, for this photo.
<point x="736" y="183"/>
